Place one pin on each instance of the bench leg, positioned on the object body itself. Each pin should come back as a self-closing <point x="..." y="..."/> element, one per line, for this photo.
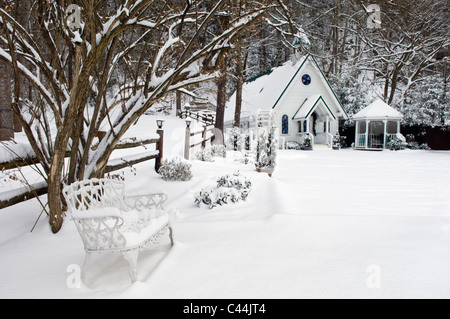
<point x="131" y="256"/>
<point x="171" y="235"/>
<point x="87" y="257"/>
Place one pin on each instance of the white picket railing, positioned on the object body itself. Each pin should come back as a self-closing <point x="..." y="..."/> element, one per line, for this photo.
<point x="361" y="141"/>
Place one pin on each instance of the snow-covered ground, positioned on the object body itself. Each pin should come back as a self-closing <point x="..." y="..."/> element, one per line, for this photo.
<point x="328" y="224"/>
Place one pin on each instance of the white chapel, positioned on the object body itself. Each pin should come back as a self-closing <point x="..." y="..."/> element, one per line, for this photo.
<point x="299" y="97"/>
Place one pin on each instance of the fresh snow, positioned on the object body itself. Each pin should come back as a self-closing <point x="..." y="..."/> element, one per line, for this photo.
<point x="15" y="151"/>
<point x="328" y="224"/>
<point x="378" y="110"/>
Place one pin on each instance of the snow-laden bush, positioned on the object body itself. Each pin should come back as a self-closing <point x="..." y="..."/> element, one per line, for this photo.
<point x="234" y="141"/>
<point x="417" y="146"/>
<point x="292" y="146"/>
<point x="219" y="151"/>
<point x="396" y="144"/>
<point x="267" y="146"/>
<point x="229" y="189"/>
<point x="413" y="145"/>
<point x="236" y="181"/>
<point x="337" y="141"/>
<point x="205" y="155"/>
<point x="307" y="142"/>
<point x="175" y="170"/>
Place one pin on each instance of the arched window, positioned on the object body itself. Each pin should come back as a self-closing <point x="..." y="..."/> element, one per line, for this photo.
<point x="285" y="124"/>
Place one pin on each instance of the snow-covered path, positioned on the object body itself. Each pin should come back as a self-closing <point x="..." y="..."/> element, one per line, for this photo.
<point x="328" y="224"/>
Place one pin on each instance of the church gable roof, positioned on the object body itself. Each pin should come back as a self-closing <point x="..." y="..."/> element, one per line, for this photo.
<point x="309" y="105"/>
<point x="324" y="80"/>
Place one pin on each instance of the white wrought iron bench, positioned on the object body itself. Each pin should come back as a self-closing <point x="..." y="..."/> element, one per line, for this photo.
<point x="109" y="221"/>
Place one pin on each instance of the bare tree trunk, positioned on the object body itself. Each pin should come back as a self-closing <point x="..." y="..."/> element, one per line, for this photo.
<point x="221" y="99"/>
<point x="62" y="138"/>
<point x="178" y="98"/>
<point x="6" y="112"/>
<point x="237" y="113"/>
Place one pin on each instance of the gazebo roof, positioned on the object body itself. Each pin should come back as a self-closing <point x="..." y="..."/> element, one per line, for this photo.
<point x="378" y="110"/>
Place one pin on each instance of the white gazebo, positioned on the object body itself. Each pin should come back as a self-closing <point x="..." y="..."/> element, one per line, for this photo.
<point x="376" y="125"/>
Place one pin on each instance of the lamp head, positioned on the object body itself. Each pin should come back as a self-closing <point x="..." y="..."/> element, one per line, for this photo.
<point x="160" y="123"/>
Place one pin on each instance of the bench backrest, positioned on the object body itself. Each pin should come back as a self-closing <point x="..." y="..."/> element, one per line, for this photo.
<point x="98" y="233"/>
<point x="94" y="193"/>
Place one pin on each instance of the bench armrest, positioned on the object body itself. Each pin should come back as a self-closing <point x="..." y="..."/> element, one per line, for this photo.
<point x="101" y="232"/>
<point x="144" y="202"/>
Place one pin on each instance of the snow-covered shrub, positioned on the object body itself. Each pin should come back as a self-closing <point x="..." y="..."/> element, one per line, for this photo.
<point x="417" y="146"/>
<point x="234" y="141"/>
<point x="292" y="146"/>
<point x="175" y="170"/>
<point x="213" y="197"/>
<point x="337" y="141"/>
<point x="229" y="189"/>
<point x="344" y="142"/>
<point x="244" y="158"/>
<point x="307" y="142"/>
<point x="235" y="181"/>
<point x="205" y="155"/>
<point x="266" y="148"/>
<point x="247" y="143"/>
<point x="413" y="145"/>
<point x="424" y="147"/>
<point x="396" y="144"/>
<point x="219" y="151"/>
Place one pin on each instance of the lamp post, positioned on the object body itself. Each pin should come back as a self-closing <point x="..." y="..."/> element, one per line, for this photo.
<point x="187" y="145"/>
<point x="160" y="144"/>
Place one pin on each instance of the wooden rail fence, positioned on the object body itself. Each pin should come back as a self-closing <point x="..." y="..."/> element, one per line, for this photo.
<point x="207" y="119"/>
<point x="190" y="134"/>
<point x="31" y="191"/>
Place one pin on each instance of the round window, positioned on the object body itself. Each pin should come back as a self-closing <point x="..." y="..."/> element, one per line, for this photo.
<point x="306" y="79"/>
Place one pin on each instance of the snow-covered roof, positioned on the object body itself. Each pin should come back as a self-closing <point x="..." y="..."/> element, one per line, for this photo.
<point x="263" y="93"/>
<point x="378" y="110"/>
<point x="309" y="105"/>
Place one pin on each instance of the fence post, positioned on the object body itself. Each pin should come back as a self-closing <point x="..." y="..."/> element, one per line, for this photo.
<point x="159" y="145"/>
<point x="205" y="130"/>
<point x="187" y="145"/>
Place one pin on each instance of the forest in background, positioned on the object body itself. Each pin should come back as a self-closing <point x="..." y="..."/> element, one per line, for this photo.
<point x="402" y="59"/>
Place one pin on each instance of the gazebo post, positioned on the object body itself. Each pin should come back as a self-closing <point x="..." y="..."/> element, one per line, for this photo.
<point x="385" y="134"/>
<point x="367" y="133"/>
